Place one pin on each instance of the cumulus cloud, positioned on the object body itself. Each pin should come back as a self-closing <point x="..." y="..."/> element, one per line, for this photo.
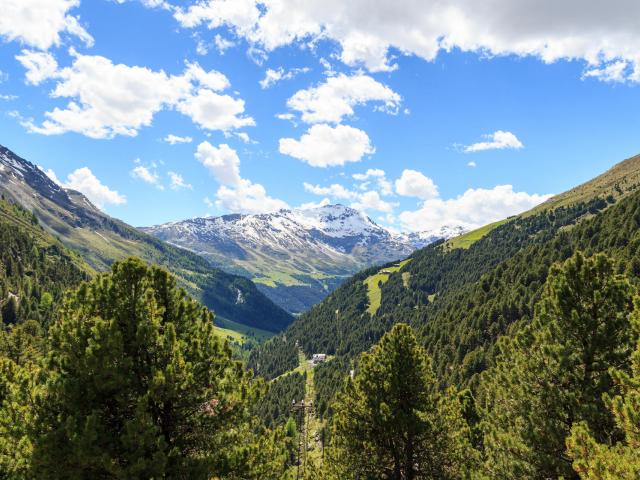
<point x="600" y="33"/>
<point x="367" y="200"/>
<point x="334" y="190"/>
<point x="40" y="23"/>
<point x="380" y="178"/>
<point x="213" y="111"/>
<point x="84" y="181"/>
<point x="177" y="182"/>
<point x="40" y="66"/>
<point x="372" y="200"/>
<point x="109" y="99"/>
<point x="326" y="146"/>
<point x="311" y="205"/>
<point x="499" y="140"/>
<point x="415" y="184"/>
<point x="143" y="173"/>
<point x="174" y="139"/>
<point x="337" y="96"/>
<point x="271" y="77"/>
<point x="472" y="209"/>
<point x="235" y="193"/>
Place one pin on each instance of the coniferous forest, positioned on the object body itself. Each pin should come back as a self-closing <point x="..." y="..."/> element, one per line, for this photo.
<point x="518" y="357"/>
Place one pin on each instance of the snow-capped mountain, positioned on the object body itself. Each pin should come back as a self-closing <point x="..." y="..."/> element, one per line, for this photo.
<point x="296" y="257"/>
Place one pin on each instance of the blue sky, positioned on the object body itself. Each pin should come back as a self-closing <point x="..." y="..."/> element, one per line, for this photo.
<point x="443" y="118"/>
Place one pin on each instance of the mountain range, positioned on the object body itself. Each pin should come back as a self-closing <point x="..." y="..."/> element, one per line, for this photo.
<point x="99" y="240"/>
<point x="296" y="257"/>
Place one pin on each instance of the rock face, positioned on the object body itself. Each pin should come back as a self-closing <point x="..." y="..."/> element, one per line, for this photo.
<point x="296" y="257"/>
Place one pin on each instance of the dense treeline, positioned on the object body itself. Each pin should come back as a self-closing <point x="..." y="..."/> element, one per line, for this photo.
<point x="275" y="407"/>
<point x="561" y="401"/>
<point x="130" y="381"/>
<point x="35" y="270"/>
<point x="460" y="301"/>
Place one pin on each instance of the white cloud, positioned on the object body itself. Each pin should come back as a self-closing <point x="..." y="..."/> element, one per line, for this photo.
<point x="222" y="162"/>
<point x="272" y="77"/>
<point x="222" y="44"/>
<point x="371" y="200"/>
<point x="326" y="146"/>
<point x="235" y="193"/>
<point x="474" y="208"/>
<point x="370" y="173"/>
<point x="174" y="139"/>
<point x="471" y="164"/>
<point x="334" y="190"/>
<point x="108" y="100"/>
<point x="40" y="66"/>
<point x="368" y="200"/>
<point x="337" y="96"/>
<point x="498" y="140"/>
<point x="39" y="23"/>
<point x="84" y="181"/>
<point x="311" y="205"/>
<point x="414" y="184"/>
<point x="248" y="197"/>
<point x="177" y="182"/>
<point x="213" y="111"/>
<point x="616" y="71"/>
<point x="592" y="30"/>
<point x="143" y="173"/>
<point x="380" y="177"/>
<point x="241" y="14"/>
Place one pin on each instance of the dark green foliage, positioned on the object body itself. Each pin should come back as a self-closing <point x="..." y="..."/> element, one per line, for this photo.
<point x="556" y="370"/>
<point x="275" y="407"/>
<point x="275" y="357"/>
<point x="391" y="422"/>
<point x="139" y="386"/>
<point x="35" y="269"/>
<point x="594" y="460"/>
<point x="328" y="378"/>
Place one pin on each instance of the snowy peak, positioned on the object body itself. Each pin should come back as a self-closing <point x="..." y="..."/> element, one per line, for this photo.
<point x="296" y="256"/>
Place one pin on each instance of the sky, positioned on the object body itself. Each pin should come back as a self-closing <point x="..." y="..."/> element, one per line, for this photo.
<point x="420" y="113"/>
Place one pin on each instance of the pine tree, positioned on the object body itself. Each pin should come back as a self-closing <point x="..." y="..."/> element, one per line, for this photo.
<point x="390" y="421"/>
<point x="140" y="387"/>
<point x="554" y="372"/>
<point x="20" y="354"/>
<point x="598" y="461"/>
<point x="10" y="310"/>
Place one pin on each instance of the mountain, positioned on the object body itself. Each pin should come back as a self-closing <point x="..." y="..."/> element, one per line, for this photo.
<point x="100" y="239"/>
<point x="463" y="294"/>
<point x="296" y="257"/>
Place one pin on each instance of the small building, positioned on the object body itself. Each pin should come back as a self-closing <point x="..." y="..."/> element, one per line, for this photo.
<point x="318" y="358"/>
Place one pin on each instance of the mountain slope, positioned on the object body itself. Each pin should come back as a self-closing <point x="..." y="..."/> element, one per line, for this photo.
<point x="461" y="300"/>
<point x="100" y="240"/>
<point x="35" y="268"/>
<point x="297" y="256"/>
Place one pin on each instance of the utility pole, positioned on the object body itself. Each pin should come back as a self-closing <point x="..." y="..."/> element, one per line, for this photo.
<point x="303" y="409"/>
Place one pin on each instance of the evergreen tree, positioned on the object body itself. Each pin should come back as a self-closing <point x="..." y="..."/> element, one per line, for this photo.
<point x="390" y="421"/>
<point x="10" y="310"/>
<point x="598" y="461"/>
<point x="140" y="387"/>
<point x="554" y="372"/>
<point x="20" y="354"/>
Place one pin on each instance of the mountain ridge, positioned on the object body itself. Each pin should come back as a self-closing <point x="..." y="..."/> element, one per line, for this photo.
<point x="101" y="239"/>
<point x="295" y="256"/>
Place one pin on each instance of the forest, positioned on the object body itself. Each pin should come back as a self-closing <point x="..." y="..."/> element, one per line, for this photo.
<point x="518" y="357"/>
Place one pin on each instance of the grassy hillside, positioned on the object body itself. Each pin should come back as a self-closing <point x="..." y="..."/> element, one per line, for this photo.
<point x="100" y="240"/>
<point x="462" y="295"/>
